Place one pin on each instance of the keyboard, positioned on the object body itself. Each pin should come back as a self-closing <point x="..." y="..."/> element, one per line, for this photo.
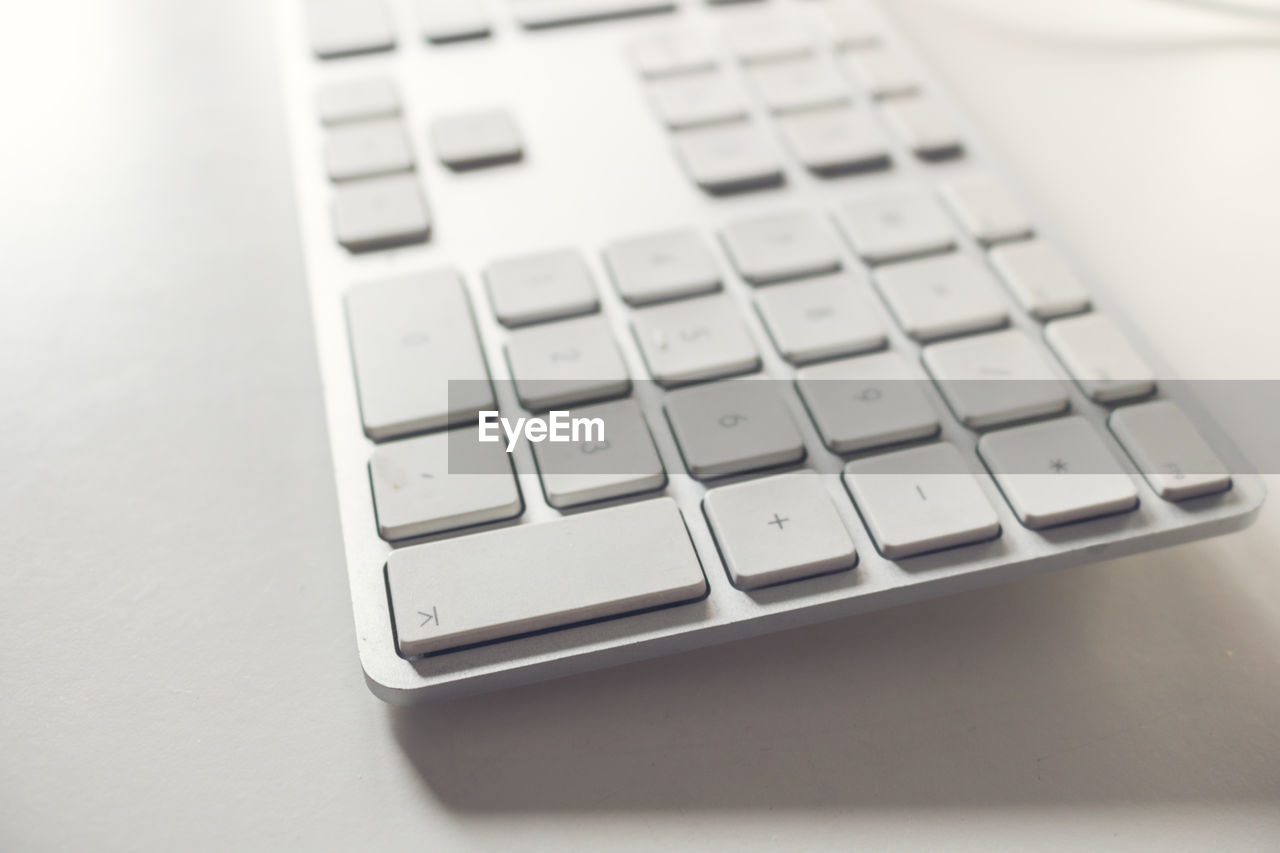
<point x="651" y="324"/>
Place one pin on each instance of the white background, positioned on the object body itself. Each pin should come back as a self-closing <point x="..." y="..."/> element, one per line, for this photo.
<point x="177" y="666"/>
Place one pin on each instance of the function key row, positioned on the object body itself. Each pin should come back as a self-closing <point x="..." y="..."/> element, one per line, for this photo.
<point x="340" y="28"/>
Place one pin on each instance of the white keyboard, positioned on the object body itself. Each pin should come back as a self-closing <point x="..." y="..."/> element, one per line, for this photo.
<point x="839" y="360"/>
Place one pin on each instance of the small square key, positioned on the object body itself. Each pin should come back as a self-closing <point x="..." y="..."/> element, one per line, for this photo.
<point x="731" y="427"/>
<point x="663" y="266"/>
<point x="1100" y="358"/>
<point x="985" y="209"/>
<point x="444" y="21"/>
<point x="799" y="84"/>
<point x="995" y="379"/>
<point x="377" y="213"/>
<point x="624" y="463"/>
<point x="357" y="100"/>
<point x="367" y="148"/>
<point x="819" y="319"/>
<point x="689" y="100"/>
<point x="1169" y="451"/>
<point x="849" y="26"/>
<point x="1039" y="278"/>
<point x="921" y="125"/>
<point x="694" y="340"/>
<point x="778" y="529"/>
<point x="880" y="73"/>
<point x="541" y="287"/>
<point x="572" y="361"/>
<point x="1057" y="472"/>
<point x="780" y="246"/>
<point x="835" y="141"/>
<point x="895" y="227"/>
<point x="441" y="482"/>
<point x="943" y="296"/>
<point x="920" y="500"/>
<point x="477" y="139"/>
<point x="866" y="402"/>
<point x="345" y="27"/>
<point x="729" y="158"/>
<point x="766" y="36"/>
<point x="667" y="52"/>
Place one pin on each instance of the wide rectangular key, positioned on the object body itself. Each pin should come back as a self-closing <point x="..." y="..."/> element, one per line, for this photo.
<point x="1039" y="278"/>
<point x="409" y="337"/>
<point x="731" y="427"/>
<point x="895" y="227"/>
<point x="534" y="577"/>
<point x="572" y="361"/>
<point x="662" y="266"/>
<point x="357" y="100"/>
<point x="378" y="213"/>
<point x="822" y="318"/>
<point x="767" y="36"/>
<point x="689" y="100"/>
<point x="367" y="148"/>
<point x="659" y="54"/>
<point x="624" y="462"/>
<point x="1169" y="450"/>
<point x="694" y="340"/>
<point x="541" y="14"/>
<point x="865" y="402"/>
<point x="729" y="158"/>
<point x="443" y="481"/>
<point x="1100" y="358"/>
<point x="1057" y="472"/>
<point x="476" y="139"/>
<point x="835" y="140"/>
<point x="778" y="529"/>
<point x="880" y="72"/>
<point x="985" y="209"/>
<point x="943" y="296"/>
<point x="540" y="287"/>
<point x="995" y="379"/>
<point x="922" y="126"/>
<point x="920" y="500"/>
<point x="443" y="21"/>
<point x="779" y="246"/>
<point x="344" y="27"/>
<point x="789" y="85"/>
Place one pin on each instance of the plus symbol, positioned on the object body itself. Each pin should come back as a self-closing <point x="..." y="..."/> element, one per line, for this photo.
<point x="779" y="520"/>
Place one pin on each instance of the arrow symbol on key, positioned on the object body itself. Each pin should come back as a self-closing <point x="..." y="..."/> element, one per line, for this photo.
<point x="428" y="617"/>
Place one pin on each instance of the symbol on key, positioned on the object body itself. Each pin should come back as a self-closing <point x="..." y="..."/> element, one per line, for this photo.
<point x="779" y="520"/>
<point x="1058" y="465"/>
<point x="731" y="420"/>
<point x="869" y="395"/>
<point x="429" y="617"/>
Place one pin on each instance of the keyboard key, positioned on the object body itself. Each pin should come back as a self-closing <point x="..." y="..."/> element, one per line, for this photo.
<point x="541" y="14"/>
<point x="781" y="528"/>
<point x="409" y="337"/>
<point x="1100" y="358"/>
<point x="1057" y="472"/>
<point x="1039" y="279"/>
<point x="765" y="36"/>
<point x="357" y="100"/>
<point x="344" y="27"/>
<point x="780" y="246"/>
<point x="1176" y="461"/>
<point x="985" y="209"/>
<point x="819" y="319"/>
<point x="995" y="379"/>
<point x="880" y="73"/>
<point x="731" y="427"/>
<point x="540" y="287"/>
<point x="895" y="227"/>
<point x="624" y="463"/>
<point x="835" y="141"/>
<point x="865" y="402"/>
<point x="367" y="148"/>
<point x="671" y="52"/>
<point x="559" y="364"/>
<point x="729" y="158"/>
<point x="943" y="296"/>
<point x="377" y="213"/>
<point x="476" y="139"/>
<point x="694" y="340"/>
<point x="658" y="267"/>
<point x="696" y="99"/>
<point x="533" y="577"/>
<point x="920" y="500"/>
<point x="921" y="125"/>
<point x="440" y="482"/>
<point x="798" y="84"/>
<point x="849" y="26"/>
<point x="444" y="21"/>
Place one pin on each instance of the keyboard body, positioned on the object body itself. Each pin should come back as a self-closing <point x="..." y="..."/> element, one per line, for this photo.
<point x="598" y="166"/>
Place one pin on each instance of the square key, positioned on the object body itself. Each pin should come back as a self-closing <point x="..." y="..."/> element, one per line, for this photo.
<point x="778" y="529"/>
<point x="731" y="427"/>
<point x="780" y="246"/>
<point x="729" y="158"/>
<point x="939" y="297"/>
<point x="658" y="267"/>
<point x="624" y="463"/>
<point x="666" y="52"/>
<point x="799" y="84"/>
<point x="895" y="227"/>
<point x="694" y="340"/>
<point x="689" y="100"/>
<point x="1165" y="445"/>
<point x="476" y="139"/>
<point x="921" y="125"/>
<point x="572" y="361"/>
<point x="996" y="378"/>
<point x="822" y="318"/>
<point x="367" y="148"/>
<point x="540" y="287"/>
<point x="357" y="100"/>
<point x="377" y="213"/>
<point x="866" y="402"/>
<point x="835" y="141"/>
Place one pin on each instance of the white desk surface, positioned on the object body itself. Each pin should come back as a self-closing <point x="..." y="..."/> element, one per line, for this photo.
<point x="177" y="669"/>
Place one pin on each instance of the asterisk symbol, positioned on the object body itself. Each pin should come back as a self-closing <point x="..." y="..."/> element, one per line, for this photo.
<point x="1058" y="465"/>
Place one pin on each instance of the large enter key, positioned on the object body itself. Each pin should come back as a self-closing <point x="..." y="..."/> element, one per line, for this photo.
<point x="499" y="584"/>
